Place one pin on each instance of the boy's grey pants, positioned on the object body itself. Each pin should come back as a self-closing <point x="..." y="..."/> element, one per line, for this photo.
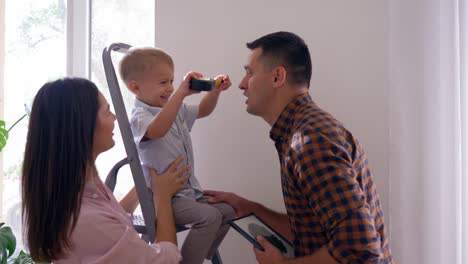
<point x="209" y="226"/>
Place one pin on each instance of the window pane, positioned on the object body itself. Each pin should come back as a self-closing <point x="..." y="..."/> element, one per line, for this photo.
<point x="35" y="53"/>
<point x="127" y="21"/>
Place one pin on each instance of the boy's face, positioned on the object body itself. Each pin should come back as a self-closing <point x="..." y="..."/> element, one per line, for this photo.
<point x="157" y="86"/>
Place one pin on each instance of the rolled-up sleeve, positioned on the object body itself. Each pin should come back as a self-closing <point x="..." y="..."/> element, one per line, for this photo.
<point x="328" y="178"/>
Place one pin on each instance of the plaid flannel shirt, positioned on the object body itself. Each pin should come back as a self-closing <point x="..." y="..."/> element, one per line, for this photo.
<point x="328" y="189"/>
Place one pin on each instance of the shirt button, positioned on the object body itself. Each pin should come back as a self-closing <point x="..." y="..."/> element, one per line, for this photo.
<point x="95" y="195"/>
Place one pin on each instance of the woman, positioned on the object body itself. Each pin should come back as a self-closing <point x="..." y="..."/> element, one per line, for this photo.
<point x="69" y="215"/>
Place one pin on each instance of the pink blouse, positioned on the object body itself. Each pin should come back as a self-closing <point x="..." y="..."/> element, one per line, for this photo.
<point x="104" y="234"/>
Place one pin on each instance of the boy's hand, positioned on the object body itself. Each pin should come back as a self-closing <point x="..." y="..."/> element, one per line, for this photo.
<point x="225" y="84"/>
<point x="184" y="87"/>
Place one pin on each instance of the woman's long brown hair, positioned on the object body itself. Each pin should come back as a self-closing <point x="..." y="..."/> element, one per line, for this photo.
<point x="58" y="152"/>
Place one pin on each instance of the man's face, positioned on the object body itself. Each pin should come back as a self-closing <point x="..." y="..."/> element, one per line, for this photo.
<point x="257" y="85"/>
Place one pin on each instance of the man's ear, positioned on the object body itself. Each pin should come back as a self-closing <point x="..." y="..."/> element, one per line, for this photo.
<point x="133" y="86"/>
<point x="279" y="76"/>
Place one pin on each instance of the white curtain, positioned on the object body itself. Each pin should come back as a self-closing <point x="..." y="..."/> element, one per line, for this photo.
<point x="428" y="131"/>
<point x="2" y="66"/>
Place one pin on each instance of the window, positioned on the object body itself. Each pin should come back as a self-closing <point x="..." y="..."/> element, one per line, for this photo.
<point x="60" y="35"/>
<point x="34" y="37"/>
<point x="127" y="21"/>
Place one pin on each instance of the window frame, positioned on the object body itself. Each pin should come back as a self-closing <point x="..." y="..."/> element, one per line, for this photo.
<point x="78" y="36"/>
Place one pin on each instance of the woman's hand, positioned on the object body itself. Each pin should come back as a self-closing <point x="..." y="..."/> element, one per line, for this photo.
<point x="171" y="181"/>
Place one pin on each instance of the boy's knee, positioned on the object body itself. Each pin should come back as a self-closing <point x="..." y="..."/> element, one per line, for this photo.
<point x="213" y="217"/>
<point x="229" y="213"/>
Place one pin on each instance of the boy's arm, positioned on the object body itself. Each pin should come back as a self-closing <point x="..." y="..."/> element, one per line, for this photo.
<point x="209" y="101"/>
<point x="164" y="120"/>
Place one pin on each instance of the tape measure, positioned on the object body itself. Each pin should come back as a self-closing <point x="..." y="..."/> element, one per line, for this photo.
<point x="204" y="84"/>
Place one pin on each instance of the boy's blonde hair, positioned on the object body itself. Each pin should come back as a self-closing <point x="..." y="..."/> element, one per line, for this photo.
<point x="138" y="61"/>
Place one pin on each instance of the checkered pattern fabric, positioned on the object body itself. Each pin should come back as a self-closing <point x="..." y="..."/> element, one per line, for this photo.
<point x="328" y="189"/>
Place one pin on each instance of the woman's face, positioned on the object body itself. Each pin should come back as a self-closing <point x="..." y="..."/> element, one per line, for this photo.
<point x="104" y="127"/>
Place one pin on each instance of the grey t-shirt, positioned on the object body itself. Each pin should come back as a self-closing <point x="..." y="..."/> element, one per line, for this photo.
<point x="161" y="152"/>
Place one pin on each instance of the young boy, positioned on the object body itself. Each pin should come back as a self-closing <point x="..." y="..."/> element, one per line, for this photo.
<point x="161" y="125"/>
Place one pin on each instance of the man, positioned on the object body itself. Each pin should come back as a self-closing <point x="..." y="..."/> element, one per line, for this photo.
<point x="334" y="213"/>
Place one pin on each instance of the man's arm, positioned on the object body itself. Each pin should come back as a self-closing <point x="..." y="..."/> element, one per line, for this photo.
<point x="277" y="221"/>
<point x="330" y="181"/>
<point x="328" y="178"/>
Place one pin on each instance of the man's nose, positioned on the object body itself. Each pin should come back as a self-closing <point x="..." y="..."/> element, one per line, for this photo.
<point x="243" y="85"/>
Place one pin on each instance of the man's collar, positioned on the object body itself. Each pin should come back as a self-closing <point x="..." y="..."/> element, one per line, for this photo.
<point x="285" y="119"/>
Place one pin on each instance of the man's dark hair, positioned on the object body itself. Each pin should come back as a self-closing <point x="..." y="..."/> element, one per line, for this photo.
<point x="288" y="50"/>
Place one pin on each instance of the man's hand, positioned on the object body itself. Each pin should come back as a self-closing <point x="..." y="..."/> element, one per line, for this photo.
<point x="271" y="255"/>
<point x="240" y="204"/>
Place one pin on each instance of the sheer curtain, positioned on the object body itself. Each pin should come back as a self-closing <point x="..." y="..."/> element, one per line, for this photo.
<point x="463" y="68"/>
<point x="428" y="131"/>
<point x="2" y="65"/>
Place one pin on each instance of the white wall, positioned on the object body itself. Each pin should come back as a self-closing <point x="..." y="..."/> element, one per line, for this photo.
<point x="233" y="152"/>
